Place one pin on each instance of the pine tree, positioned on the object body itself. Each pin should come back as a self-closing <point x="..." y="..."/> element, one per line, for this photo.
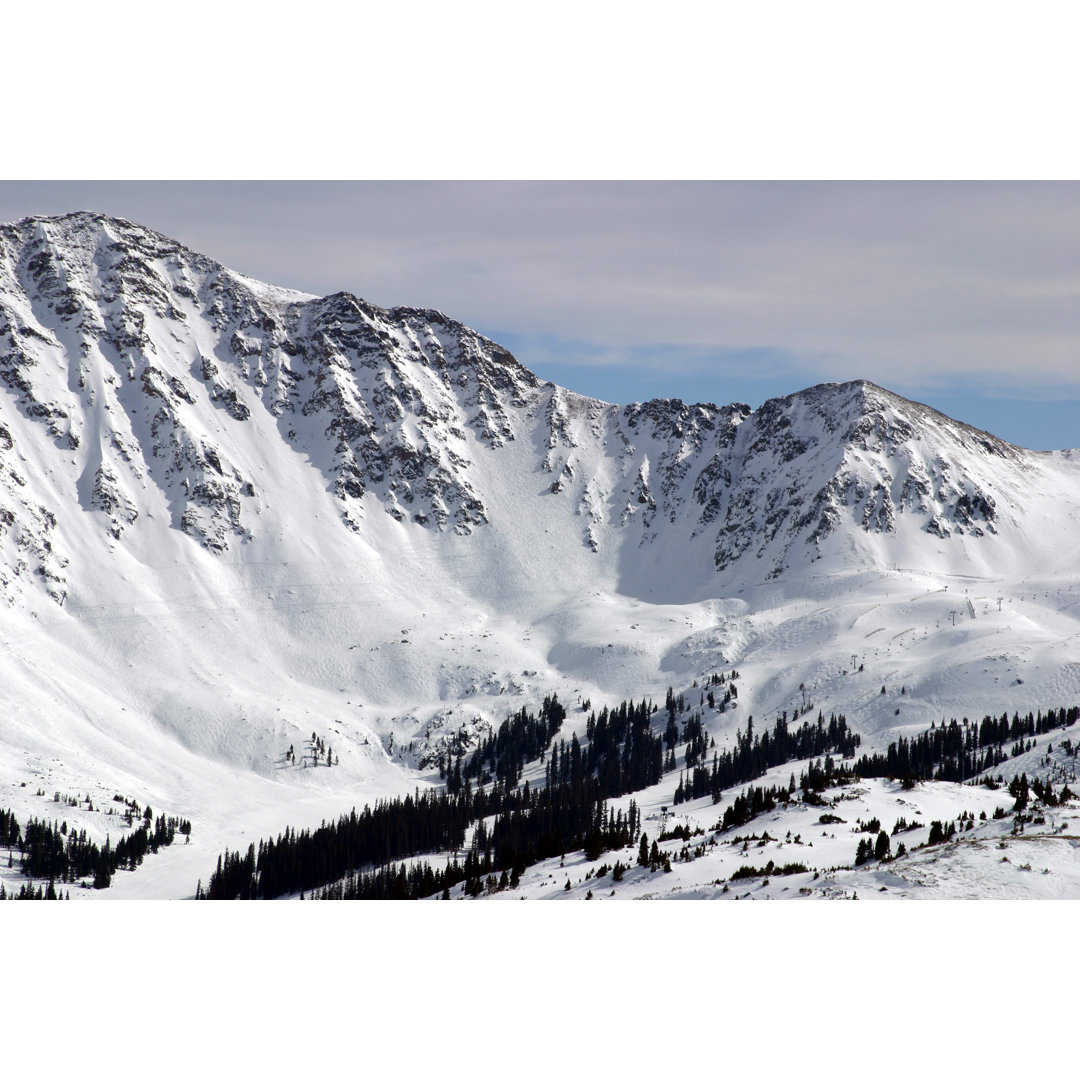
<point x="881" y="848"/>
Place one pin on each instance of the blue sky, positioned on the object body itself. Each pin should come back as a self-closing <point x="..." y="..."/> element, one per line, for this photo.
<point x="963" y="295"/>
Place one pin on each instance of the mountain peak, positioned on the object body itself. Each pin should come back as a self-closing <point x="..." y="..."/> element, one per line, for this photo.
<point x="169" y="389"/>
<point x="82" y="228"/>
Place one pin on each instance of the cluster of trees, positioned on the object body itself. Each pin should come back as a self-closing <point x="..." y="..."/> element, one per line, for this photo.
<point x="53" y="852"/>
<point x="29" y="891"/>
<point x="568" y="814"/>
<point x="621" y="752"/>
<point x="954" y="751"/>
<point x="1018" y="789"/>
<point x="557" y="820"/>
<point x="819" y="775"/>
<point x="1021" y="791"/>
<point x="729" y="698"/>
<point x="522" y="738"/>
<point x="693" y="733"/>
<point x="621" y="755"/>
<point x="316" y="751"/>
<point x="940" y="832"/>
<point x="652" y="857"/>
<point x="770" y="869"/>
<point x="873" y="849"/>
<point x="529" y="825"/>
<point x="959" y="751"/>
<point x="752" y="802"/>
<point x="306" y="859"/>
<point x="753" y="755"/>
<point x="674" y="704"/>
<point x="9" y="829"/>
<point x="536" y="825"/>
<point x="717" y="679"/>
<point x="695" y="737"/>
<point x="361" y="856"/>
<point x="398" y="881"/>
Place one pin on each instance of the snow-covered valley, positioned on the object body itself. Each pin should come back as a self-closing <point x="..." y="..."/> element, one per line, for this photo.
<point x="246" y="532"/>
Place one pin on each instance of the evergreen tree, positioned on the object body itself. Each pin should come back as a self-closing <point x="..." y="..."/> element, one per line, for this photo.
<point x="881" y="848"/>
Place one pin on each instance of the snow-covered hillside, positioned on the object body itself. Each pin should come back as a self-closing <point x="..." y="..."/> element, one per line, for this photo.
<point x="234" y="516"/>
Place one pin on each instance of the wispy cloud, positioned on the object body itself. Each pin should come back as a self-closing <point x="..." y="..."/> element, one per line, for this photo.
<point x="913" y="285"/>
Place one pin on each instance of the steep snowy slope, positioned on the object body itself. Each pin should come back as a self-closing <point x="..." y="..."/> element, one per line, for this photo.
<point x="232" y="515"/>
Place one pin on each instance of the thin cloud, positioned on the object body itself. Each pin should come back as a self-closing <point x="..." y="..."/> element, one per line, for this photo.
<point x="902" y="283"/>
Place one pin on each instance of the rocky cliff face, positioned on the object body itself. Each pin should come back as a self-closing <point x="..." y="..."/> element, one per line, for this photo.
<point x="143" y="362"/>
<point x="150" y="387"/>
<point x="807" y="465"/>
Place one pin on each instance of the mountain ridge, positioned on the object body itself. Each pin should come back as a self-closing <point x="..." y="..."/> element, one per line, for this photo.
<point x="399" y="395"/>
<point x="233" y="515"/>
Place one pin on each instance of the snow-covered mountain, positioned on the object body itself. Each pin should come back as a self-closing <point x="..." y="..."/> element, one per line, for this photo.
<point x="231" y="513"/>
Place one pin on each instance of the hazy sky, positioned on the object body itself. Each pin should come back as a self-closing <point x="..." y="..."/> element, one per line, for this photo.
<point x="962" y="295"/>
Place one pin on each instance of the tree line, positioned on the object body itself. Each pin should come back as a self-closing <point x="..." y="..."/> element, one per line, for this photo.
<point x="959" y="751"/>
<point x="570" y="812"/>
<point x="372" y="853"/>
<point x="522" y="738"/>
<point x="52" y="851"/>
<point x="754" y="755"/>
